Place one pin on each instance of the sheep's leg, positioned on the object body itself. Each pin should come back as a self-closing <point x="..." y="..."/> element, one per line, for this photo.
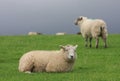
<point x="50" y="67"/>
<point x="97" y="41"/>
<point x="86" y="41"/>
<point x="104" y="40"/>
<point x="90" y="42"/>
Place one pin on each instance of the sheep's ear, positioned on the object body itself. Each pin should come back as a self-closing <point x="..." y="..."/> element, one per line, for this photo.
<point x="75" y="46"/>
<point x="61" y="46"/>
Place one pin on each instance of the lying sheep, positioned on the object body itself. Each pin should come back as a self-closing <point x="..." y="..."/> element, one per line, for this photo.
<point x="48" y="61"/>
<point x="92" y="28"/>
<point x="34" y="33"/>
<point x="60" y="33"/>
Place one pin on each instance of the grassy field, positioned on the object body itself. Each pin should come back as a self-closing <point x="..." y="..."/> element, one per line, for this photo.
<point x="91" y="65"/>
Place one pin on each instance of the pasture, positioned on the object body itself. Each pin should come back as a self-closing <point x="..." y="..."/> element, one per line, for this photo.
<point x="91" y="65"/>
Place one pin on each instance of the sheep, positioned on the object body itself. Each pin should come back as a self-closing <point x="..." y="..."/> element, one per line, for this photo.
<point x="48" y="61"/>
<point x="60" y="33"/>
<point x="92" y="28"/>
<point x="34" y="33"/>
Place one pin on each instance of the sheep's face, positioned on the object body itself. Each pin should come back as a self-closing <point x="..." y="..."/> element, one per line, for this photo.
<point x="70" y="51"/>
<point x="79" y="20"/>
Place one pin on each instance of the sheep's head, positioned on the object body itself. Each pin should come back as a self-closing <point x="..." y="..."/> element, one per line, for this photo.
<point x="70" y="51"/>
<point x="79" y="20"/>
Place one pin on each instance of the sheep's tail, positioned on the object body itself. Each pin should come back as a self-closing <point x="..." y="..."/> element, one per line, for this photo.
<point x="101" y="30"/>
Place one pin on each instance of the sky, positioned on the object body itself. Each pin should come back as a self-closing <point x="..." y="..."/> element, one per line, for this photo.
<point x="52" y="16"/>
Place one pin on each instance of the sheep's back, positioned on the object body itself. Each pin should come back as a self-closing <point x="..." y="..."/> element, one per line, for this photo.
<point x="43" y="56"/>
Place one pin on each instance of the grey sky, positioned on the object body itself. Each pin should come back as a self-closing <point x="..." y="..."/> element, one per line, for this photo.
<point x="52" y="16"/>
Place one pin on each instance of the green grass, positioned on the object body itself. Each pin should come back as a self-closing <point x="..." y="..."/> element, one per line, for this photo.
<point x="91" y="65"/>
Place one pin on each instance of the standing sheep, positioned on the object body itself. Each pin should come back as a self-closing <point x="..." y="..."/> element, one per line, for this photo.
<point x="48" y="61"/>
<point x="92" y="28"/>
